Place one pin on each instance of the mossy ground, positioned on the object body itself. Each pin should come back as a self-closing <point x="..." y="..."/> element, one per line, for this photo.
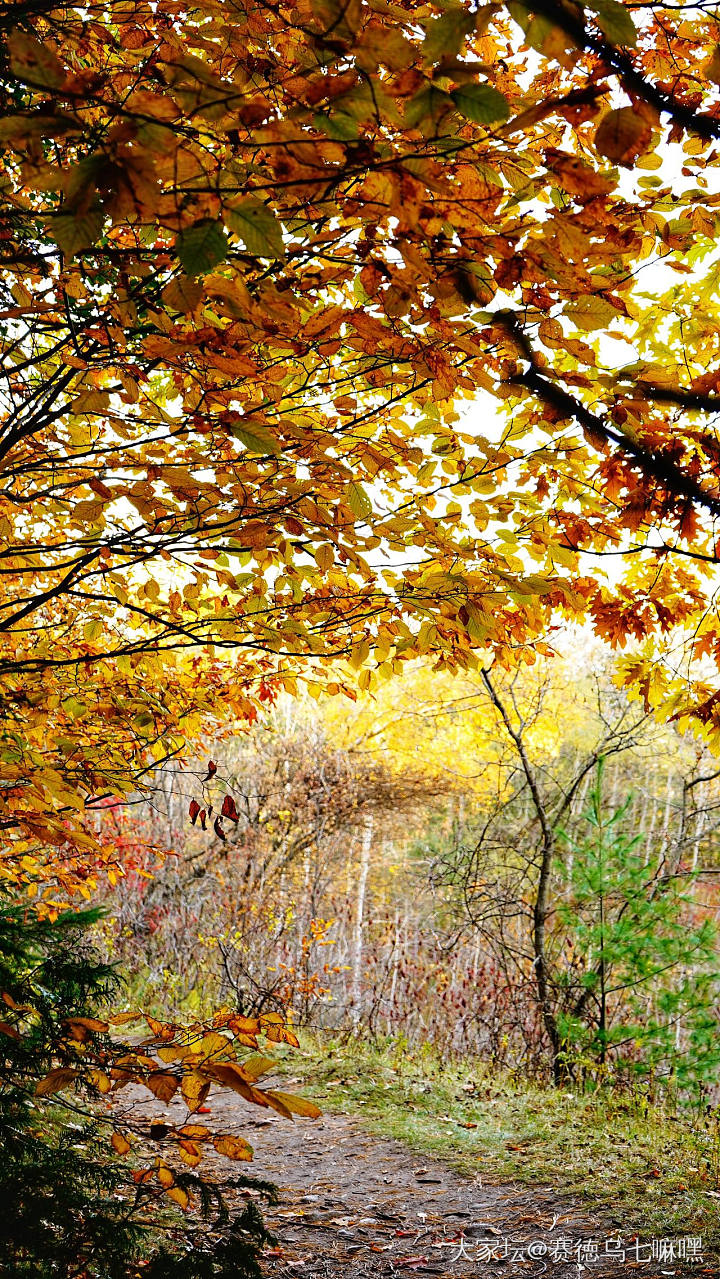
<point x="647" y="1167"/>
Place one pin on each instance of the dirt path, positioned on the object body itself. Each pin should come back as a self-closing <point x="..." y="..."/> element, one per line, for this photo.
<point x="355" y="1206"/>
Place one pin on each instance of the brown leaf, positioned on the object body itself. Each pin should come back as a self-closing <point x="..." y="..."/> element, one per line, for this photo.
<point x="162" y="1085"/>
<point x="119" y="1143"/>
<point x="229" y="810"/>
<point x="55" y="1080"/>
<point x="622" y="135"/>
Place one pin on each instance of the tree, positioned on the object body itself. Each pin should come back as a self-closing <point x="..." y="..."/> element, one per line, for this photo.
<point x="238" y="911"/>
<point x="253" y="256"/>
<point x="595" y="909"/>
<point x="254" y="259"/>
<point x="639" y="986"/>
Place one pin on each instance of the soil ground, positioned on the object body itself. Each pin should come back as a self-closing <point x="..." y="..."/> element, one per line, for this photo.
<point x="356" y="1206"/>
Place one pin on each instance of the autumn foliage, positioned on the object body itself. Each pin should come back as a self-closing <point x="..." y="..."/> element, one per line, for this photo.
<point x="336" y="334"/>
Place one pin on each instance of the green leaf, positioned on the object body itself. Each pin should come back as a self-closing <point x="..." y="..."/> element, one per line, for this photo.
<point x="73" y="707"/>
<point x="358" y="501"/>
<point x="445" y="35"/>
<point x="200" y="247"/>
<point x="481" y="103"/>
<point x="339" y="125"/>
<point x="255" y="438"/>
<point x="258" y="228"/>
<point x="74" y="232"/>
<point x="615" y="22"/>
<point x="428" y="104"/>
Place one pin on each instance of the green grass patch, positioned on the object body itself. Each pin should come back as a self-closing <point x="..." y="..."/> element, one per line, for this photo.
<point x="639" y="1165"/>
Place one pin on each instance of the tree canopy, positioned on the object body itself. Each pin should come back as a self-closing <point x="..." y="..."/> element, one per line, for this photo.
<point x="341" y="330"/>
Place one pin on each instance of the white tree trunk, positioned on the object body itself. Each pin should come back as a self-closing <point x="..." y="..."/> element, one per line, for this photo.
<point x="357" y="950"/>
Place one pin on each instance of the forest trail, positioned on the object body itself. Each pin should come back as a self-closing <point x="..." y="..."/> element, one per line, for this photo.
<point x="356" y="1206"/>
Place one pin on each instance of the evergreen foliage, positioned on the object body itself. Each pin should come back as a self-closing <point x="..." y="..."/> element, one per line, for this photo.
<point x="640" y="987"/>
<point x="67" y="1208"/>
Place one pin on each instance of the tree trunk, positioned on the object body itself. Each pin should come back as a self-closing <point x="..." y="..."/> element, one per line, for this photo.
<point x="357" y="950"/>
<point x="542" y="896"/>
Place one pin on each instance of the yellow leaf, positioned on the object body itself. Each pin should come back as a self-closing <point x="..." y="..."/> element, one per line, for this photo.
<point x="257" y="1065"/>
<point x="233" y="1147"/>
<point x="358" y="501"/>
<point x="173" y="1052"/>
<point x="179" y="1195"/>
<point x="189" y="1153"/>
<point x="298" y="1105"/>
<point x="120" y="1143"/>
<point x="194" y="1089"/>
<point x="275" y="1102"/>
<point x="214" y="1045"/>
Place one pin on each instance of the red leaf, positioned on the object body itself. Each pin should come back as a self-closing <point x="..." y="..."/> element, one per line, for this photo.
<point x="212" y="768"/>
<point x="194" y="810"/>
<point x="217" y="827"/>
<point x="203" y="816"/>
<point x="229" y="810"/>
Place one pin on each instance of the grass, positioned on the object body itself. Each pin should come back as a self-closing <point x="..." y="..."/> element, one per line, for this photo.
<point x="638" y="1166"/>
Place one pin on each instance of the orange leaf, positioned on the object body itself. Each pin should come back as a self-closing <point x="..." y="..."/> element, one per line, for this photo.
<point x="195" y="1132"/>
<point x="232" y="1077"/>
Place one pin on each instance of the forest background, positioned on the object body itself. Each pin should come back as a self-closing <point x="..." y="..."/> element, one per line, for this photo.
<point x="360" y="379"/>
